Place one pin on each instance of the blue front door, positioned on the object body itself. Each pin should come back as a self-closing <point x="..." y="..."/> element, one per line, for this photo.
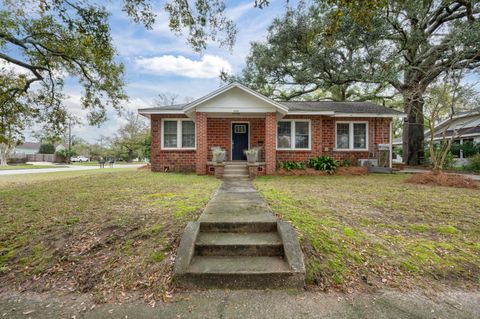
<point x="239" y="141"/>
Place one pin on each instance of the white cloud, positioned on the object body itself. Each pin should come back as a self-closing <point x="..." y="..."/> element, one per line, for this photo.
<point x="235" y="13"/>
<point x="7" y="67"/>
<point x="208" y="67"/>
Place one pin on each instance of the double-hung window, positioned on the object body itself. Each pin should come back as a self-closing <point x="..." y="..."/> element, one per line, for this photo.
<point x="293" y="135"/>
<point x="351" y="136"/>
<point x="178" y="134"/>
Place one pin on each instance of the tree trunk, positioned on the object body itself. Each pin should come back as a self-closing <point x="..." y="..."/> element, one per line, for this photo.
<point x="413" y="128"/>
<point x="3" y="159"/>
<point x="130" y="156"/>
<point x="4" y="153"/>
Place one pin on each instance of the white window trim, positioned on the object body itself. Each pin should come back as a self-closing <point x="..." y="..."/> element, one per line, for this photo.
<point x="179" y="134"/>
<point x="350" y="137"/>
<point x="292" y="135"/>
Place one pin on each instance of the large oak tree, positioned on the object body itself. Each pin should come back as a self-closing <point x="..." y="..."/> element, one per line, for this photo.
<point x="44" y="41"/>
<point x="334" y="45"/>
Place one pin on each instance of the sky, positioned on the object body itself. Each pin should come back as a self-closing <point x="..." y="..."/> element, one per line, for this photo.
<point x="158" y="61"/>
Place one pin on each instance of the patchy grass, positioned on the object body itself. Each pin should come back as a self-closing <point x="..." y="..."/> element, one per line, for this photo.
<point x="109" y="233"/>
<point x="377" y="230"/>
<point x="28" y="166"/>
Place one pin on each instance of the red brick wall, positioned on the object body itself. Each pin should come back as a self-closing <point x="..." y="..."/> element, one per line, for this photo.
<point x="323" y="138"/>
<point x="315" y="144"/>
<point x="173" y="160"/>
<point x="202" y="150"/>
<point x="270" y="143"/>
<point x="219" y="133"/>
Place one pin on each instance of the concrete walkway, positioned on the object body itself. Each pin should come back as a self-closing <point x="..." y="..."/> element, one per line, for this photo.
<point x="237" y="200"/>
<point x="419" y="170"/>
<point x="238" y="243"/>
<point x="69" y="168"/>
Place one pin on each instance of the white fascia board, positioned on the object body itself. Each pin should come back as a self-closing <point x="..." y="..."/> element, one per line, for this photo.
<point x="147" y="112"/>
<point x="456" y="137"/>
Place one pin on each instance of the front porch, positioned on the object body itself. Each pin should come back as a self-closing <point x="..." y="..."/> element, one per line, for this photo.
<point x="234" y="135"/>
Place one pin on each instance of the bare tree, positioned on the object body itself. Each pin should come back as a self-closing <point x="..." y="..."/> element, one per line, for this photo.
<point x="168" y="99"/>
<point x="442" y="103"/>
<point x="131" y="135"/>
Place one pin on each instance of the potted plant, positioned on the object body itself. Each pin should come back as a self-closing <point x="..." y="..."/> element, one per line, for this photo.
<point x="251" y="155"/>
<point x="218" y="155"/>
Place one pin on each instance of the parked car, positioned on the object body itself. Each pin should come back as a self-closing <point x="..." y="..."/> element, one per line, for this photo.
<point x="79" y="159"/>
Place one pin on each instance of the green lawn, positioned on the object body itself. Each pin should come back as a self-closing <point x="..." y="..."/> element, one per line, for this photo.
<point x="28" y="166"/>
<point x="377" y="230"/>
<point x="94" y="231"/>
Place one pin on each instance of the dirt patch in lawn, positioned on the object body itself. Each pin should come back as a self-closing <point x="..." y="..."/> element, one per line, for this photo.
<point x="112" y="234"/>
<point x="443" y="179"/>
<point x="352" y="171"/>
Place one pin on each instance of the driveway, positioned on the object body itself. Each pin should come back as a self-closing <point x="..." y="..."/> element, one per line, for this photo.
<point x="69" y="168"/>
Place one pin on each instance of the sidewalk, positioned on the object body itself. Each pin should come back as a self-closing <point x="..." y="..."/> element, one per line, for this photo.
<point x="245" y="304"/>
<point x="69" y="168"/>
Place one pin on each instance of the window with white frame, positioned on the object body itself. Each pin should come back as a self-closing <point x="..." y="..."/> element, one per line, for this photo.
<point x="178" y="134"/>
<point x="293" y="134"/>
<point x="352" y="136"/>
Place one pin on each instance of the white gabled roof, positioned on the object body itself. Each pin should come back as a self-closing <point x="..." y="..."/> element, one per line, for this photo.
<point x="279" y="107"/>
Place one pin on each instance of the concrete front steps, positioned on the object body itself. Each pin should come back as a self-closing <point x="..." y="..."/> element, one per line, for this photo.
<point x="235" y="170"/>
<point x="238" y="243"/>
<point x="254" y="255"/>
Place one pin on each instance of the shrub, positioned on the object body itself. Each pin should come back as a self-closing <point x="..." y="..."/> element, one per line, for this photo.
<point x="323" y="163"/>
<point x="474" y="163"/>
<point x="344" y="163"/>
<point x="449" y="159"/>
<point x="469" y="148"/>
<point x="289" y="165"/>
<point x="47" y="149"/>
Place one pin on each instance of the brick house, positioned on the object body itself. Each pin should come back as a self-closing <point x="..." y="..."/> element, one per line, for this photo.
<point x="236" y="118"/>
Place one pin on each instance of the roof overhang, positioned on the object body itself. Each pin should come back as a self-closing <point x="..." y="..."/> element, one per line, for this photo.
<point x="148" y="112"/>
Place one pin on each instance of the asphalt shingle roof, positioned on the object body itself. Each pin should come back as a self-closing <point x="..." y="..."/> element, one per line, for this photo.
<point x="309" y="106"/>
<point x="29" y="145"/>
<point x="175" y="107"/>
<point x="339" y="107"/>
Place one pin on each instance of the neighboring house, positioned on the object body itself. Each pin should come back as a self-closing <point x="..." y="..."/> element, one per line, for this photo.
<point x="60" y="147"/>
<point x="465" y="126"/>
<point x="236" y="118"/>
<point x="26" y="148"/>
